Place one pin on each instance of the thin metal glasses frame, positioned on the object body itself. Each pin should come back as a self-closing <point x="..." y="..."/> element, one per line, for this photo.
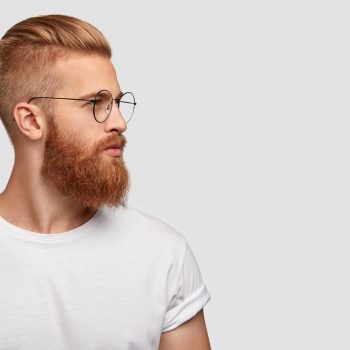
<point x="117" y="100"/>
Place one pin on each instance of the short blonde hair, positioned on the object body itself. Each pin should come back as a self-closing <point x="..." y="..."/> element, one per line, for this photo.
<point x="28" y="51"/>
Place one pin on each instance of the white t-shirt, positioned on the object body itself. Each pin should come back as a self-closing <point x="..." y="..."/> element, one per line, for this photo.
<point x="116" y="282"/>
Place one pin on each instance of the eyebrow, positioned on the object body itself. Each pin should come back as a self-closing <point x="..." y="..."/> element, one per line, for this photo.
<point x="93" y="94"/>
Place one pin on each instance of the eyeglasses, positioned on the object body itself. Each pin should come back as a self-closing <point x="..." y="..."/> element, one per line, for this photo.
<point x="103" y="103"/>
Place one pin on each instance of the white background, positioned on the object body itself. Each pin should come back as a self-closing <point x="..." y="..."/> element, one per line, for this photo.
<point x="240" y="140"/>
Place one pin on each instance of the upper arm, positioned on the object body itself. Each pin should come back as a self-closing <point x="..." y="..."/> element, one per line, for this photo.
<point x="191" y="335"/>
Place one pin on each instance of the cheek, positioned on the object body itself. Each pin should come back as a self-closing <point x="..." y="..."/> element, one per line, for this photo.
<point x="74" y="116"/>
<point x="82" y="127"/>
<point x="87" y="138"/>
<point x="79" y="127"/>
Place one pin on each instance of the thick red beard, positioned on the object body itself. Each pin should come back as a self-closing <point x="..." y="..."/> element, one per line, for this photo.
<point x="85" y="173"/>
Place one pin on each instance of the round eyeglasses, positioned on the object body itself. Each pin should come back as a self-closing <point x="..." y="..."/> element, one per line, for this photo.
<point x="103" y="104"/>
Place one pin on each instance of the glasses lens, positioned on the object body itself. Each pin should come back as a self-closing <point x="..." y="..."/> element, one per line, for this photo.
<point x="103" y="105"/>
<point x="127" y="106"/>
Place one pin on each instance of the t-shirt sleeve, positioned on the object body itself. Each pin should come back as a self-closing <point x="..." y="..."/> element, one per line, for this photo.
<point x="186" y="291"/>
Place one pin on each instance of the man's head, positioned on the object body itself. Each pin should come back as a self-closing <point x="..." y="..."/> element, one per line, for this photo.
<point x="62" y="56"/>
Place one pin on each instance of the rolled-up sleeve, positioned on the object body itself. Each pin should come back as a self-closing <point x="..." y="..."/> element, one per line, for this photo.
<point x="186" y="292"/>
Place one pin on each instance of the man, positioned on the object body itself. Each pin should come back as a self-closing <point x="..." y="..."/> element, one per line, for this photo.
<point x="79" y="269"/>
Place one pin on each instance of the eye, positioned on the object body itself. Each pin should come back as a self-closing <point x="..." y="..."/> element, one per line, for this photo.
<point x="88" y="103"/>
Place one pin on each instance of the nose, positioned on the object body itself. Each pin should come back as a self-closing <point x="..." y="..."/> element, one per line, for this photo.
<point x="115" y="120"/>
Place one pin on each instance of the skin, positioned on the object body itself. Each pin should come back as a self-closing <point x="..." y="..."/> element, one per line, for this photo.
<point x="61" y="175"/>
<point x="191" y="335"/>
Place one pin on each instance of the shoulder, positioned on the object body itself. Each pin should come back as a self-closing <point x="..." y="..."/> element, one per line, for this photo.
<point x="140" y="225"/>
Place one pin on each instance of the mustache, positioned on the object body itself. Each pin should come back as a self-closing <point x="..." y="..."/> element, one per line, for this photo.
<point x="118" y="141"/>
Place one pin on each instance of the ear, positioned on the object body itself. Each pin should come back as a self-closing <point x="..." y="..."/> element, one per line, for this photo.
<point x="30" y="120"/>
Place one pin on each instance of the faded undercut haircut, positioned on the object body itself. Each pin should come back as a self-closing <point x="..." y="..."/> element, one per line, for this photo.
<point x="28" y="51"/>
